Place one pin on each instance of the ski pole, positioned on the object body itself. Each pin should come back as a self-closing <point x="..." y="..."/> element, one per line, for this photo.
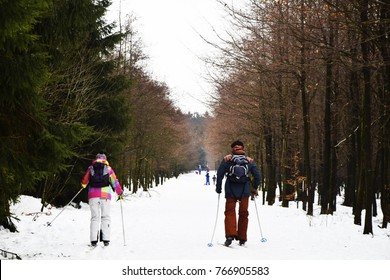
<point x="49" y="223"/>
<point x="123" y="225"/>
<point x="215" y="224"/>
<point x="258" y="221"/>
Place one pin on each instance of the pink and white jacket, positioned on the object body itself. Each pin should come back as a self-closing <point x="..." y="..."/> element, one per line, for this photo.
<point x="104" y="192"/>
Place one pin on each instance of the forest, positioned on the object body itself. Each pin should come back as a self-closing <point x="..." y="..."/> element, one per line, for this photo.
<point x="72" y="85"/>
<point x="304" y="83"/>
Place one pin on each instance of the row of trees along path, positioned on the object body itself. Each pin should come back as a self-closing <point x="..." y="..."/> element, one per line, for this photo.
<point x="307" y="85"/>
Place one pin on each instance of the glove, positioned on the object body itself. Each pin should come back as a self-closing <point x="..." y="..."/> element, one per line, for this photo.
<point x="83" y="185"/>
<point x="218" y="190"/>
<point x="120" y="197"/>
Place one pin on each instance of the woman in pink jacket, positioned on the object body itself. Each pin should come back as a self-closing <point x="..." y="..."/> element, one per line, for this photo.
<point x="102" y="182"/>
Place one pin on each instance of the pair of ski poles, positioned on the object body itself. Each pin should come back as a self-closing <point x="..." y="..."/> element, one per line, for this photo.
<point x="123" y="225"/>
<point x="216" y="219"/>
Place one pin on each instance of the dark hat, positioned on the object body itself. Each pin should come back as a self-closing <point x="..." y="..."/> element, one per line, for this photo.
<point x="101" y="156"/>
<point x="237" y="143"/>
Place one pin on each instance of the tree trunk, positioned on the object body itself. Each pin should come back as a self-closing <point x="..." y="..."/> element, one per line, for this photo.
<point x="269" y="158"/>
<point x="352" y="124"/>
<point x="366" y="151"/>
<point x="305" y="112"/>
<point x="384" y="46"/>
<point x="326" y="187"/>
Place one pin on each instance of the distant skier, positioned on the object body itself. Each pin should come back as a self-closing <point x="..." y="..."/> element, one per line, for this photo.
<point x="214" y="179"/>
<point x="199" y="169"/>
<point x="102" y="181"/>
<point x="207" y="178"/>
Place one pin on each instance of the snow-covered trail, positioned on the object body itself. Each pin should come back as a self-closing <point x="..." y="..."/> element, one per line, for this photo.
<point x="175" y="221"/>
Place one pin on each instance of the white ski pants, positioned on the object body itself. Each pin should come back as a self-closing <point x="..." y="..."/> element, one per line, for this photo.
<point x="100" y="218"/>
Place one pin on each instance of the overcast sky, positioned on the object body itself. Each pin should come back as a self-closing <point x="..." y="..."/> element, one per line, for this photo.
<point x="169" y="30"/>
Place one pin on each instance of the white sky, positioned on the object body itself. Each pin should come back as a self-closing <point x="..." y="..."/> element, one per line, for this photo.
<point x="169" y="30"/>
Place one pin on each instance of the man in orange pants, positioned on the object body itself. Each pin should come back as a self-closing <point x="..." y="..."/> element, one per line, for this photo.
<point x="237" y="167"/>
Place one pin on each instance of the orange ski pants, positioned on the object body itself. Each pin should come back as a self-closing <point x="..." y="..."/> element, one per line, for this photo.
<point x="232" y="228"/>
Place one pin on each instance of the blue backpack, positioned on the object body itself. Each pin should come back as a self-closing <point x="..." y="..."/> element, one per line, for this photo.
<point x="239" y="168"/>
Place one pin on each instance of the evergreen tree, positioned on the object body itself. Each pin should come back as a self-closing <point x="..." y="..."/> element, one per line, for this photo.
<point x="86" y="111"/>
<point x="22" y="74"/>
<point x="59" y="100"/>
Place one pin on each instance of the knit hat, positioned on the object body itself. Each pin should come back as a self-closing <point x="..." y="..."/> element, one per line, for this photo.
<point x="237" y="143"/>
<point x="101" y="155"/>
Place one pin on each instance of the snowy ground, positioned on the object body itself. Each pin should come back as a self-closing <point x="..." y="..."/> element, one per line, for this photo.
<point x="175" y="221"/>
